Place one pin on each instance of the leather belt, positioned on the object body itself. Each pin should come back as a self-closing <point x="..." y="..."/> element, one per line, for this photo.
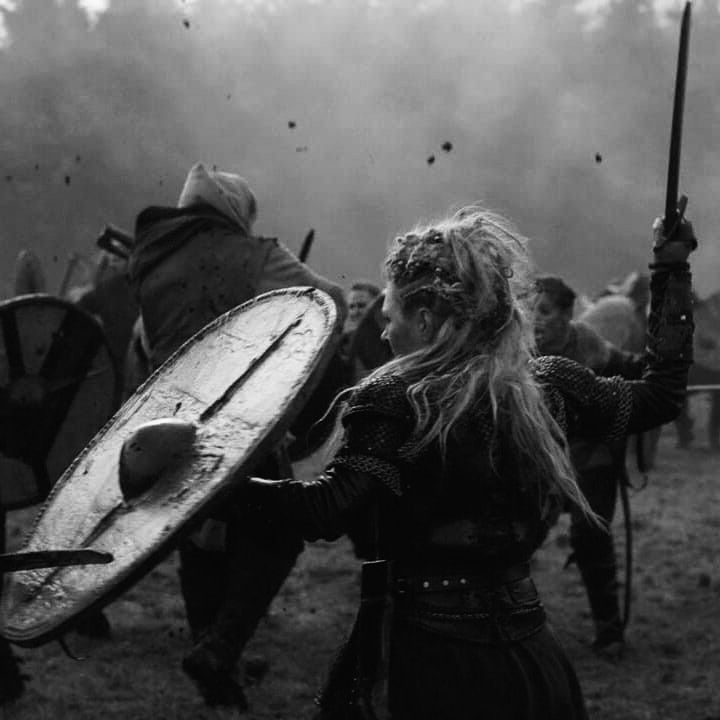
<point x="420" y="584"/>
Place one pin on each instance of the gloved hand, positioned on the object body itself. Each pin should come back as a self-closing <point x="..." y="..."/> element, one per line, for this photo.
<point x="676" y="246"/>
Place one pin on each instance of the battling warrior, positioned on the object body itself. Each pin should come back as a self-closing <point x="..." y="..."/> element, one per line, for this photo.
<point x="189" y="265"/>
<point x="453" y="467"/>
<point x="599" y="465"/>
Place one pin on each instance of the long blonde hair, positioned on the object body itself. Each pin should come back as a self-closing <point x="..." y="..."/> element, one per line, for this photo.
<point x="471" y="270"/>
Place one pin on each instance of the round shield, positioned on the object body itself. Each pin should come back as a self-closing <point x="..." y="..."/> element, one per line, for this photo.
<point x="240" y="380"/>
<point x="58" y="387"/>
<point x="706" y="345"/>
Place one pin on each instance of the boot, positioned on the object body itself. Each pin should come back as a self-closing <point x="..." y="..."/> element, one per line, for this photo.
<point x="602" y="590"/>
<point x="213" y="679"/>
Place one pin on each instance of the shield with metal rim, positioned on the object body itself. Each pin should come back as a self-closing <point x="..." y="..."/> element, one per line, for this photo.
<point x="240" y="381"/>
<point x="58" y="387"/>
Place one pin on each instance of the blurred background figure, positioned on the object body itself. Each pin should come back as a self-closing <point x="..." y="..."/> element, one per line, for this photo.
<point x="600" y="466"/>
<point x="361" y="296"/>
<point x="29" y="276"/>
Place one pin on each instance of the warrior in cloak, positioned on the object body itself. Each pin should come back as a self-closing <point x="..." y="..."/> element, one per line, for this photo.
<point x="453" y="468"/>
<point x="189" y="265"/>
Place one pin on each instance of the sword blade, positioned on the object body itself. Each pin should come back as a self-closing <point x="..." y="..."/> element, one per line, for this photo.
<point x="10" y="562"/>
<point x="671" y="195"/>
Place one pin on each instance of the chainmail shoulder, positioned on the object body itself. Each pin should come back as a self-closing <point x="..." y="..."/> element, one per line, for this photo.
<point x="581" y="402"/>
<point x="378" y="421"/>
<point x="383" y="395"/>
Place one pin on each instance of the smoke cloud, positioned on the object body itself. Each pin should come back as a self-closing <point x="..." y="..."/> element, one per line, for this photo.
<point x="555" y="113"/>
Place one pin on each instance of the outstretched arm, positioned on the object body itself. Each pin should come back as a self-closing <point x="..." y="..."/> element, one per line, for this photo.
<point x="282" y="269"/>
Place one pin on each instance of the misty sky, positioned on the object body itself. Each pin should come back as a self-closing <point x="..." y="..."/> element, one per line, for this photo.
<point x="558" y="114"/>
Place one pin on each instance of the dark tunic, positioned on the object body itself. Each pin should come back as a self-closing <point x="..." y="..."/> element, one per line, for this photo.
<point x="469" y="638"/>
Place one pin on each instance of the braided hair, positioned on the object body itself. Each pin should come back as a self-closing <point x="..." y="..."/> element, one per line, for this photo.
<point x="471" y="271"/>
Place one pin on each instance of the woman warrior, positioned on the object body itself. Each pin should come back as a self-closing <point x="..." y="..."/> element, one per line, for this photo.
<point x="453" y="468"/>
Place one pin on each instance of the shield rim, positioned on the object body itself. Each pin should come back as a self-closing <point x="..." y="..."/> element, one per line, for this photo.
<point x="116" y="401"/>
<point x="265" y="445"/>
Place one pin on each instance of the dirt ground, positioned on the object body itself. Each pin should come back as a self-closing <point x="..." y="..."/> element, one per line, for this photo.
<point x="671" y="670"/>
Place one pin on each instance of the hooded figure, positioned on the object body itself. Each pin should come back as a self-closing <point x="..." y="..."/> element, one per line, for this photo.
<point x="192" y="263"/>
<point x="229" y="194"/>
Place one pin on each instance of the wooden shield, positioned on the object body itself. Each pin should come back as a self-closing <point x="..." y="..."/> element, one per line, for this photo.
<point x="241" y="379"/>
<point x="58" y="387"/>
<point x="706" y="346"/>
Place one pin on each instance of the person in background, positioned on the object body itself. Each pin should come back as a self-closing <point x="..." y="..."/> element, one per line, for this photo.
<point x="600" y="465"/>
<point x="360" y="298"/>
<point x="190" y="264"/>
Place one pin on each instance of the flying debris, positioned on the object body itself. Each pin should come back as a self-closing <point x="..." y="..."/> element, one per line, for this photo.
<point x="598" y="158"/>
<point x="77" y="159"/>
<point x="447" y="146"/>
<point x="8" y="178"/>
<point x="67" y="179"/>
<point x="229" y="95"/>
<point x="37" y="166"/>
<point x="186" y="23"/>
<point x="303" y="148"/>
<point x="431" y="160"/>
<point x="291" y="124"/>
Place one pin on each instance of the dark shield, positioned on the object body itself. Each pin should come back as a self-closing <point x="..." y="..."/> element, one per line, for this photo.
<point x="58" y="387"/>
<point x="240" y="380"/>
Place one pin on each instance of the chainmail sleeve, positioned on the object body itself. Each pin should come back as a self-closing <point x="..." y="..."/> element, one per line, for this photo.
<point x="609" y="408"/>
<point x="378" y="422"/>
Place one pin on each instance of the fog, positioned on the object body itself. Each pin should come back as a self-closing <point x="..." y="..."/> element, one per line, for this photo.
<point x="558" y="114"/>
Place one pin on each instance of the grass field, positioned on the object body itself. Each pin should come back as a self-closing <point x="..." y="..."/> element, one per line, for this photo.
<point x="671" y="670"/>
